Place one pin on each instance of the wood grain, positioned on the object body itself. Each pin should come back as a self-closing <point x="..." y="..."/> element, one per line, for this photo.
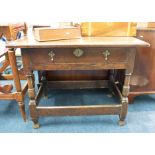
<point x="30" y="42"/>
<point x="49" y="33"/>
<point x="39" y="56"/>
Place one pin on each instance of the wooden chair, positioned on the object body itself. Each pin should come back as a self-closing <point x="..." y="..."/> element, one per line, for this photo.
<point x="16" y="75"/>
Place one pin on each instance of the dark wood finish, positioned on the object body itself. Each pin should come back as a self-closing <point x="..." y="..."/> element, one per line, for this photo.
<point x="142" y="81"/>
<point x="87" y="84"/>
<point x="99" y="54"/>
<point x="64" y="59"/>
<point x="79" y="110"/>
<point x="74" y="75"/>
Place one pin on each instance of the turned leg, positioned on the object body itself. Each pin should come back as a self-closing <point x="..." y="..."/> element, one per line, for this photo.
<point x="32" y="103"/>
<point x="124" y="110"/>
<point x="111" y="83"/>
<point x="126" y="86"/>
<point x="124" y="99"/>
<point x="12" y="59"/>
<point x="44" y="81"/>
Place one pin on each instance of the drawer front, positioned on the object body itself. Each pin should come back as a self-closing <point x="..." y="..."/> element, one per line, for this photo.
<point x="77" y="56"/>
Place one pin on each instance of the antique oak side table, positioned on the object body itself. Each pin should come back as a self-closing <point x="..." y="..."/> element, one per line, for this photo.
<point x="87" y="53"/>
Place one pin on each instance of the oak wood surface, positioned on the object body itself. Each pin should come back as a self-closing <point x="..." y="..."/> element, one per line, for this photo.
<point x="65" y="75"/>
<point x="79" y="110"/>
<point x="82" y="84"/>
<point x="37" y="56"/>
<point x="30" y="42"/>
<point x="59" y="33"/>
<point x="64" y="59"/>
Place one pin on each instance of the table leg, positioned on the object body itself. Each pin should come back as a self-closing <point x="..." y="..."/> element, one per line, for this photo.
<point x="44" y="81"/>
<point x="126" y="86"/>
<point x="32" y="103"/>
<point x="124" y="110"/>
<point x="124" y="99"/>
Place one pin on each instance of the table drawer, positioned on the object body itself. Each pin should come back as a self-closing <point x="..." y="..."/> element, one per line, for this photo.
<point x="77" y="56"/>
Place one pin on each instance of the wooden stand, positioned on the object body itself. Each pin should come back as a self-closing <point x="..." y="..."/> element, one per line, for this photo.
<point x="94" y="53"/>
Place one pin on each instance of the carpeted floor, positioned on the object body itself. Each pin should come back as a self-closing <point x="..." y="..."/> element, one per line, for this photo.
<point x="140" y="118"/>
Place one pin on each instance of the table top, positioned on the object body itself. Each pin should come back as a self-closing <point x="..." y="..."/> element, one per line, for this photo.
<point x="30" y="42"/>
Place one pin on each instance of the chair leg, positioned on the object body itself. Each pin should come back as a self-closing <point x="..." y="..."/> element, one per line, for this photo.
<point x="22" y="110"/>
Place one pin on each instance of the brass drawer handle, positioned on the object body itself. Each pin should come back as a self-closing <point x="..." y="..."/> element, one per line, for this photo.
<point x="78" y="52"/>
<point x="51" y="54"/>
<point x="106" y="54"/>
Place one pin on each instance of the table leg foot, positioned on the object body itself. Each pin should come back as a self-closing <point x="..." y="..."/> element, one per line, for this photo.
<point x="46" y="97"/>
<point x="121" y="123"/>
<point x="36" y="125"/>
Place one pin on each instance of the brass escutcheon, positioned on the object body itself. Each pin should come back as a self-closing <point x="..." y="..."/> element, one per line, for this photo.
<point x="51" y="54"/>
<point x="78" y="52"/>
<point x="106" y="54"/>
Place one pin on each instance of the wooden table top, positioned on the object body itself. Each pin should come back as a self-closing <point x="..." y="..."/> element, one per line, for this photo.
<point x="30" y="42"/>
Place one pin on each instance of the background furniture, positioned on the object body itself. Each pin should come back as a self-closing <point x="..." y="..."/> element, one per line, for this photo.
<point x="108" y="29"/>
<point x="89" y="53"/>
<point x="142" y="81"/>
<point x="18" y="95"/>
<point x="11" y="32"/>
